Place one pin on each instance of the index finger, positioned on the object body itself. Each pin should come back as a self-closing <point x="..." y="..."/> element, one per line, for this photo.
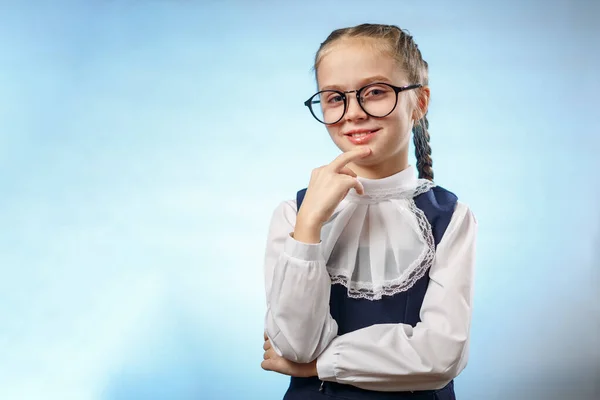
<point x="340" y="161"/>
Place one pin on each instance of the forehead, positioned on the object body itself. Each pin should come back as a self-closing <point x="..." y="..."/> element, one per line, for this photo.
<point x="349" y="64"/>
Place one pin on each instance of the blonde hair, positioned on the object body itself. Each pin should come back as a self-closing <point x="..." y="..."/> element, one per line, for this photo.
<point x="400" y="45"/>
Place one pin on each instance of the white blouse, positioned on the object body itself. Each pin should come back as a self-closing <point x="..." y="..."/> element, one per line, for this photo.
<point x="376" y="244"/>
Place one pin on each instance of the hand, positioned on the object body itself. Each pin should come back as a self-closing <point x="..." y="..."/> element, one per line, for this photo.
<point x="327" y="187"/>
<point x="274" y="362"/>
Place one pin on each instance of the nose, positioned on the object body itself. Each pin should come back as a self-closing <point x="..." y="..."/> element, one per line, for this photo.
<point x="354" y="111"/>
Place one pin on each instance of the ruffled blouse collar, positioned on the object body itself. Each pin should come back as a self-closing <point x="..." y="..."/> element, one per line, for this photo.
<point x="379" y="243"/>
<point x="403" y="184"/>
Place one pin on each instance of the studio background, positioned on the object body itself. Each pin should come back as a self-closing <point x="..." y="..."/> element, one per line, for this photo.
<point x="145" y="144"/>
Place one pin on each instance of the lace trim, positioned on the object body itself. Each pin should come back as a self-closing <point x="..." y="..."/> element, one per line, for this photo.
<point x="378" y="195"/>
<point x="417" y="269"/>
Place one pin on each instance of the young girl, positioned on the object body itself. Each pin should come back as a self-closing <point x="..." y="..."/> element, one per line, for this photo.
<point x="369" y="272"/>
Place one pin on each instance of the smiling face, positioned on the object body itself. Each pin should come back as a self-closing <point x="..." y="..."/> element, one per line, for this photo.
<point x="349" y="65"/>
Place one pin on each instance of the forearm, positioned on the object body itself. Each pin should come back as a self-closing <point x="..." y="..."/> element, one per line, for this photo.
<point x="394" y="358"/>
<point x="297" y="321"/>
<point x="307" y="231"/>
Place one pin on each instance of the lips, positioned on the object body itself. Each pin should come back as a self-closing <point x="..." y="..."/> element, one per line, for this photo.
<point x="361" y="136"/>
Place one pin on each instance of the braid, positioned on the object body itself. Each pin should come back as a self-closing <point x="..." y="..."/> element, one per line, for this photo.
<point x="423" y="149"/>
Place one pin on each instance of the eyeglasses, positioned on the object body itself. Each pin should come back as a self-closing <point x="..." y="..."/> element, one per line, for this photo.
<point x="376" y="99"/>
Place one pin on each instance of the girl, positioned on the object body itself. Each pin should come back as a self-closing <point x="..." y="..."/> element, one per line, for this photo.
<point x="369" y="272"/>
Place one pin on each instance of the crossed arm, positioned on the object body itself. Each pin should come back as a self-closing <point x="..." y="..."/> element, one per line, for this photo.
<point x="301" y="336"/>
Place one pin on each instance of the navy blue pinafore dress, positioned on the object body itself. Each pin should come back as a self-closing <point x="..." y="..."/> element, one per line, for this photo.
<point x="351" y="314"/>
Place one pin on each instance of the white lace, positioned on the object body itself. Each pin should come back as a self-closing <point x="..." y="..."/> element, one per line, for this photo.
<point x="416" y="270"/>
<point x="381" y="194"/>
<point x="379" y="243"/>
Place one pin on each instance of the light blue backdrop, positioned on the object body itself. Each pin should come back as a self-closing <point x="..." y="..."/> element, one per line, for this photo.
<point x="145" y="144"/>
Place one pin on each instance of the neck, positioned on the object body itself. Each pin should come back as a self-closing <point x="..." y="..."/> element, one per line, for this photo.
<point x="380" y="170"/>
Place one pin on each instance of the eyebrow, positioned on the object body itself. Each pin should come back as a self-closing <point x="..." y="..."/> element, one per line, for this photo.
<point x="366" y="81"/>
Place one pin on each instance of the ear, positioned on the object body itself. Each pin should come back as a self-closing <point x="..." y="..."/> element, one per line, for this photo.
<point x="420" y="110"/>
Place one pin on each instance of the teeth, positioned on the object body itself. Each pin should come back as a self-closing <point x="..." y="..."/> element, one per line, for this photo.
<point x="359" y="134"/>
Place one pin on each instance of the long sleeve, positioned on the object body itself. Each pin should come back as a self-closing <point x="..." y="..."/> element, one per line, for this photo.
<point x="297" y="322"/>
<point x="398" y="357"/>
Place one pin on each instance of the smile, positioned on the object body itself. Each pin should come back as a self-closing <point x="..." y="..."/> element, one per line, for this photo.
<point x="361" y="136"/>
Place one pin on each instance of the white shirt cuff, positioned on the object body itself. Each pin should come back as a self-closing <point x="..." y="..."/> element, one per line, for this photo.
<point x="303" y="251"/>
<point x="327" y="362"/>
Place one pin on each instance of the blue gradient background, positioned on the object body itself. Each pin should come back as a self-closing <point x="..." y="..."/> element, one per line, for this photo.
<point x="145" y="144"/>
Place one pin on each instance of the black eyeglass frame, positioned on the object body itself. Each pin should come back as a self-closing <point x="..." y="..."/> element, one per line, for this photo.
<point x="397" y="89"/>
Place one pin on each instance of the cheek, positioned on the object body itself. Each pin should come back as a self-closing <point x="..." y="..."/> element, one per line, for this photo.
<point x="401" y="118"/>
<point x="333" y="132"/>
<point x="398" y="123"/>
<point x="398" y="127"/>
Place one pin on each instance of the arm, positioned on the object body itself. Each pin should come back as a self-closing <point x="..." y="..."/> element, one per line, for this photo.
<point x="298" y="323"/>
<point x="397" y="357"/>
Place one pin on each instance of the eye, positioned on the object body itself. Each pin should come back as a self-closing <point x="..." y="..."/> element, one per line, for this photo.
<point x="334" y="98"/>
<point x="373" y="92"/>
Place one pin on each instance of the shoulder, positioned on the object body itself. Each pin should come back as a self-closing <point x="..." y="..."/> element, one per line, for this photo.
<point x="284" y="212"/>
<point x="438" y="198"/>
<point x="441" y="207"/>
<point x="288" y="206"/>
<point x="437" y="203"/>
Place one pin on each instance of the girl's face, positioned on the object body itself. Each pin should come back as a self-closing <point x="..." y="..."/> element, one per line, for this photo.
<point x="350" y="65"/>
